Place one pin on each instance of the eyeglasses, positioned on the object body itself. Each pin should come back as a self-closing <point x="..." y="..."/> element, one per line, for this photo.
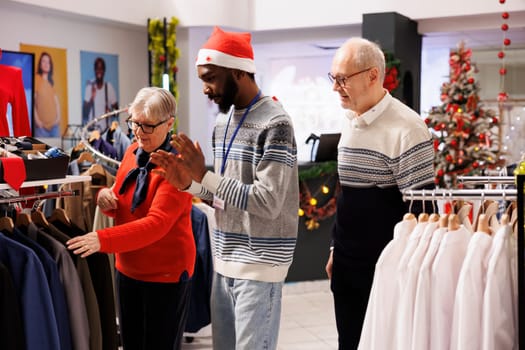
<point x="341" y="80"/>
<point x="146" y="128"/>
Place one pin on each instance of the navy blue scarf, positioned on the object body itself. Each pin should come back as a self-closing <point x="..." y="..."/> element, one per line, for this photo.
<point x="141" y="174"/>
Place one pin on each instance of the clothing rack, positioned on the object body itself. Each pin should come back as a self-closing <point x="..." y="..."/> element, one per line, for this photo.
<point x="498" y="180"/>
<point x="501" y="194"/>
<point x="472" y="194"/>
<point x="85" y="135"/>
<point x="38" y="197"/>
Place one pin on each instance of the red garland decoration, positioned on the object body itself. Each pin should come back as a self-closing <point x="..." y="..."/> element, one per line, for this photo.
<point x="392" y="65"/>
<point x="503" y="96"/>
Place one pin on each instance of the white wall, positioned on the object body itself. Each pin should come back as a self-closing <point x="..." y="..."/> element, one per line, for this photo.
<point x="25" y="25"/>
<point x="255" y="15"/>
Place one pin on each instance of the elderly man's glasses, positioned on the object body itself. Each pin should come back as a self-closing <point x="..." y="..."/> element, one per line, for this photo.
<point x="146" y="128"/>
<point x="341" y="80"/>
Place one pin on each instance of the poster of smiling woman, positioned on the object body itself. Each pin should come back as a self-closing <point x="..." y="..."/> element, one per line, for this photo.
<point x="50" y="109"/>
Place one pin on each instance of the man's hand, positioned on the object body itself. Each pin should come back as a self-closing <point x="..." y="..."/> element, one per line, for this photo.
<point x="191" y="155"/>
<point x="173" y="169"/>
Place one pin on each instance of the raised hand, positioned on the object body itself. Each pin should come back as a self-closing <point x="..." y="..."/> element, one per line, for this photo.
<point x="191" y="155"/>
<point x="172" y="169"/>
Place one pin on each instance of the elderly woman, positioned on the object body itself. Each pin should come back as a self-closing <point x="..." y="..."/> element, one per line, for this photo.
<point x="152" y="238"/>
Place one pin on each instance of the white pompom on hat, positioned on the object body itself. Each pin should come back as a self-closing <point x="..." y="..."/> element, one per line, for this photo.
<point x="227" y="49"/>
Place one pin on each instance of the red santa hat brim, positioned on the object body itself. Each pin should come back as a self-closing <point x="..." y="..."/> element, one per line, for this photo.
<point x="227" y="49"/>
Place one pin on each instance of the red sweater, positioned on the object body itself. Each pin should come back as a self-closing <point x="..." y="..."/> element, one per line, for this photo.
<point x="12" y="91"/>
<point x="155" y="243"/>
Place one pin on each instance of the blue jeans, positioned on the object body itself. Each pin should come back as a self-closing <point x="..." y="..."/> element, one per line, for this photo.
<point x="43" y="132"/>
<point x="245" y="315"/>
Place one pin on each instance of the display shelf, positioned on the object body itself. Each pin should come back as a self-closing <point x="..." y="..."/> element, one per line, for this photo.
<point x="65" y="180"/>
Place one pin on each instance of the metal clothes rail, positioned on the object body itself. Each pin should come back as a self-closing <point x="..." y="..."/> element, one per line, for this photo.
<point x="85" y="136"/>
<point x="447" y="194"/>
<point x="38" y="197"/>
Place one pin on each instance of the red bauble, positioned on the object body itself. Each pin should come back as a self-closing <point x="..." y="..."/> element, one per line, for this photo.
<point x="449" y="158"/>
<point x="440" y="172"/>
<point x="467" y="67"/>
<point x="470" y="80"/>
<point x="505" y="15"/>
<point x="175" y="69"/>
<point x="454" y="143"/>
<point x="502" y="71"/>
<point x="502" y="97"/>
<point x="461" y="185"/>
<point x="501" y="1"/>
<point x="162" y="58"/>
<point x="482" y="136"/>
<point x="506" y="42"/>
<point x="501" y="54"/>
<point x="427" y="121"/>
<point x="475" y="164"/>
<point x="495" y="120"/>
<point x="504" y="27"/>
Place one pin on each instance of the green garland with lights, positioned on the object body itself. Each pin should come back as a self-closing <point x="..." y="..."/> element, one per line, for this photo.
<point x="164" y="54"/>
<point x="308" y="203"/>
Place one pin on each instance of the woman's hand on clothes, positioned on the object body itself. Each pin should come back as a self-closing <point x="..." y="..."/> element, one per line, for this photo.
<point x="107" y="200"/>
<point x="172" y="169"/>
<point x="84" y="245"/>
<point x="191" y="155"/>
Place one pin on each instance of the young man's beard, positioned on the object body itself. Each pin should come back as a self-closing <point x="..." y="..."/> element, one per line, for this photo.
<point x="230" y="90"/>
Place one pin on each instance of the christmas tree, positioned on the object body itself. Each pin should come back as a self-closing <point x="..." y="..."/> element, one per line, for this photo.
<point x="466" y="136"/>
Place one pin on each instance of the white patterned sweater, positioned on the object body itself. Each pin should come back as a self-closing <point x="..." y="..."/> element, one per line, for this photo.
<point x="256" y="231"/>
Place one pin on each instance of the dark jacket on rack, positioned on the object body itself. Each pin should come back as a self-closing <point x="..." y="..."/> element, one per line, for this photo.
<point x="72" y="287"/>
<point x="11" y="327"/>
<point x="55" y="287"/>
<point x="31" y="287"/>
<point x="95" y="328"/>
<point x="99" y="268"/>
<point x="199" y="309"/>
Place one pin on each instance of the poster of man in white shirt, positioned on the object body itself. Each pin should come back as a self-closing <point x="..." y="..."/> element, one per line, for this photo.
<point x="100" y="91"/>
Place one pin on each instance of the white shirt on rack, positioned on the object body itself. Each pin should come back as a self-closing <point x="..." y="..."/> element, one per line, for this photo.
<point x="378" y="327"/>
<point x="444" y="279"/>
<point x="422" y="304"/>
<point x="500" y="300"/>
<point x="405" y="311"/>
<point x="468" y="302"/>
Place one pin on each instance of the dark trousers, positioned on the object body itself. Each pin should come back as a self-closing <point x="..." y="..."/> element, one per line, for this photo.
<point x="351" y="289"/>
<point x="152" y="315"/>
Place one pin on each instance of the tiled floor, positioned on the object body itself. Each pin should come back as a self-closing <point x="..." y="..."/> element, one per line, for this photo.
<point x="307" y="320"/>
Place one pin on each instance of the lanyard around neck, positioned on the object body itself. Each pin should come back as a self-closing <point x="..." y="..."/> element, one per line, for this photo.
<point x="226" y="152"/>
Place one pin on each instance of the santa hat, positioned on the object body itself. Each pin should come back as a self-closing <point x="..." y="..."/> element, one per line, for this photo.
<point x="227" y="49"/>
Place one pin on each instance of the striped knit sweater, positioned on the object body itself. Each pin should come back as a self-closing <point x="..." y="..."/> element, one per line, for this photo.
<point x="381" y="152"/>
<point x="256" y="231"/>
